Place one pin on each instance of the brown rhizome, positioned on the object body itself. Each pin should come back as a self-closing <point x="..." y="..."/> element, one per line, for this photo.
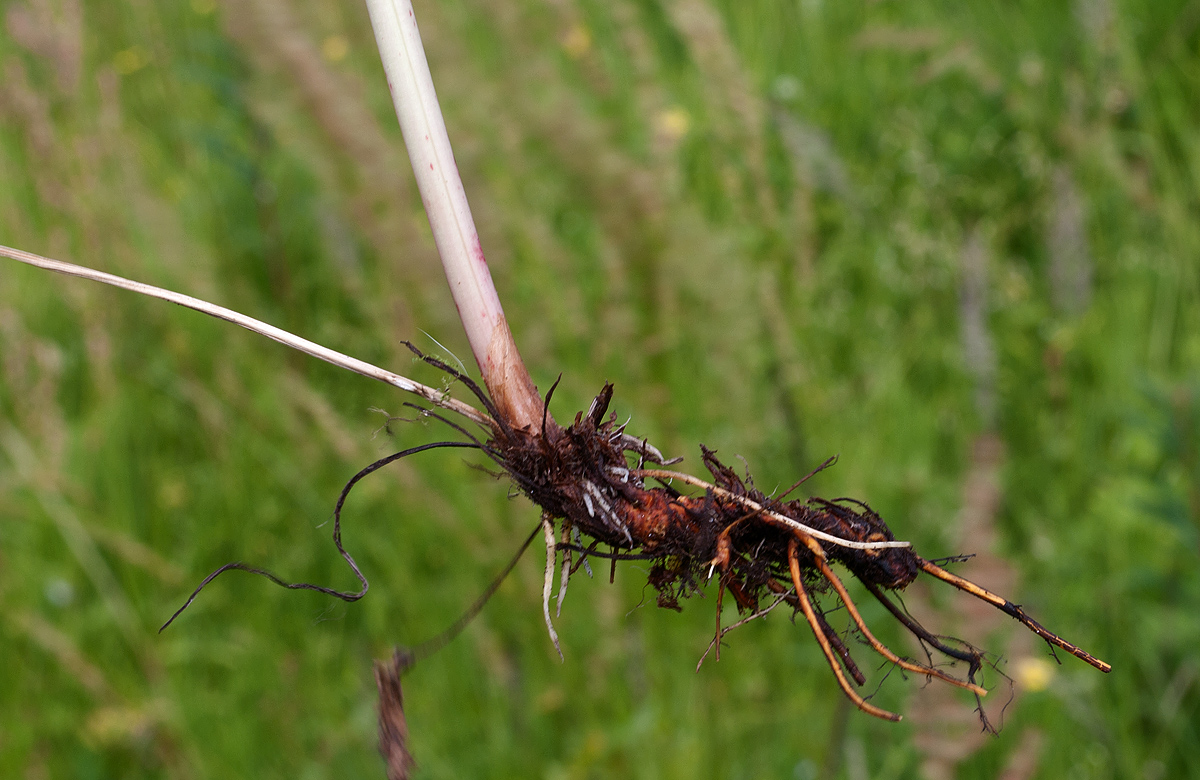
<point x="764" y="550"/>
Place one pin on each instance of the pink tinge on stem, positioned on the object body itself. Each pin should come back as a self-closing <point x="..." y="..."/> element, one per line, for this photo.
<point x="477" y="253"/>
<point x="445" y="201"/>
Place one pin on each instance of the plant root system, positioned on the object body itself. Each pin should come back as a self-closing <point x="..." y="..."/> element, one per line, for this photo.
<point x="760" y="548"/>
<point x="763" y="551"/>
<point x="604" y="494"/>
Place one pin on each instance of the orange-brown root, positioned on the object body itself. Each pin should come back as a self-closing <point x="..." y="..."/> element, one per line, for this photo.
<point x="880" y="647"/>
<point x="1011" y="609"/>
<point x="811" y="615"/>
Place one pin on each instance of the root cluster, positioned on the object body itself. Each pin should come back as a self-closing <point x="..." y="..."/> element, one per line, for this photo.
<point x="594" y="484"/>
<point x="607" y="495"/>
<point x="581" y="477"/>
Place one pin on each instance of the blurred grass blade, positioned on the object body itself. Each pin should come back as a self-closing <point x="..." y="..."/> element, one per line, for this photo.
<point x="82" y="546"/>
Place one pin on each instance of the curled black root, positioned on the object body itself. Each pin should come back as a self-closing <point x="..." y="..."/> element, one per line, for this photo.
<point x="348" y="596"/>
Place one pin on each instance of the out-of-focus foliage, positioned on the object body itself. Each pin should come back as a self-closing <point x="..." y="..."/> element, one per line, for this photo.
<point x="955" y="242"/>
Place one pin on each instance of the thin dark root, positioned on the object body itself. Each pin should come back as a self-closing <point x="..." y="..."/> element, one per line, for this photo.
<point x="471" y="385"/>
<point x="584" y="553"/>
<point x="963" y="558"/>
<point x="972" y="656"/>
<point x="839" y="646"/>
<point x="613" y="556"/>
<point x="830" y="461"/>
<point x="491" y="452"/>
<point x="337" y="538"/>
<point x="432" y="645"/>
<point x="1012" y="696"/>
<point x="487" y="449"/>
<point x="546" y="404"/>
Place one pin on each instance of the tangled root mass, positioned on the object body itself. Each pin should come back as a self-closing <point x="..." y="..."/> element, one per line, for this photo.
<point x="759" y="547"/>
<point x="581" y="475"/>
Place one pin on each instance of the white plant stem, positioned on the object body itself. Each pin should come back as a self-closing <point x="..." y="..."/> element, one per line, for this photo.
<point x="436" y="397"/>
<point x="454" y="232"/>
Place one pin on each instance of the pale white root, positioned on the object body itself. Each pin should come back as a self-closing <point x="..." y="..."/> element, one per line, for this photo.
<point x="548" y="583"/>
<point x="564" y="574"/>
<point x="755" y="506"/>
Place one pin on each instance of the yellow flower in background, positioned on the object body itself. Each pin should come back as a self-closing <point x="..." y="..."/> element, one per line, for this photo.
<point x="204" y="7"/>
<point x="1033" y="674"/>
<point x="672" y="123"/>
<point x="577" y="42"/>
<point x="335" y="48"/>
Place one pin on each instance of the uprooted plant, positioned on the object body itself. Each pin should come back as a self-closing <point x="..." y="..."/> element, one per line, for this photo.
<point x="759" y="547"/>
<point x="598" y="486"/>
<point x="589" y="480"/>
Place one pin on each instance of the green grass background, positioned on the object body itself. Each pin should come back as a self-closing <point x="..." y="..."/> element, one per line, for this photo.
<point x="906" y="233"/>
